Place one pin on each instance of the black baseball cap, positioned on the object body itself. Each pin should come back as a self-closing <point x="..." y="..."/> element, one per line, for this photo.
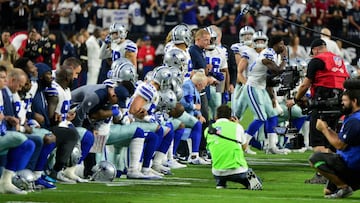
<point x="316" y="43"/>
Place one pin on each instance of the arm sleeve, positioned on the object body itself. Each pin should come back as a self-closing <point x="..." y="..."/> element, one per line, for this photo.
<point x="350" y="132"/>
<point x="188" y="99"/>
<point x="313" y="66"/>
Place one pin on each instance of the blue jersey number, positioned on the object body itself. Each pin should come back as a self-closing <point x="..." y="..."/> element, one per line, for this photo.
<point x="115" y="55"/>
<point x="215" y="62"/>
<point x="64" y="109"/>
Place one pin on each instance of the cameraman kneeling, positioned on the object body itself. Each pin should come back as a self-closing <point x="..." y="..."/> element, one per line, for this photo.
<point x="342" y="168"/>
<point x="226" y="141"/>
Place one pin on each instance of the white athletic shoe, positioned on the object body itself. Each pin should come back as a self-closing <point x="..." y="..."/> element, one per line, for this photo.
<point x="135" y="174"/>
<point x="151" y="174"/>
<point x="275" y="150"/>
<point x="173" y="164"/>
<point x="198" y="161"/>
<point x="61" y="178"/>
<point x="249" y="151"/>
<point x="70" y="173"/>
<point x="11" y="189"/>
<point x="161" y="169"/>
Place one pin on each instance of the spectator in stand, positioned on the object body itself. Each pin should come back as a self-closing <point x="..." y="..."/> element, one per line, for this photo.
<point x="97" y="14"/>
<point x="280" y="29"/>
<point x="345" y="54"/>
<point x="48" y="46"/>
<point x="53" y="15"/>
<point x="262" y="20"/>
<point x="55" y="56"/>
<point x="298" y="7"/>
<point x="67" y="15"/>
<point x="20" y="15"/>
<point x="335" y="16"/>
<point x="230" y="28"/>
<point x="330" y="44"/>
<point x="136" y="17"/>
<point x="204" y="13"/>
<point x="315" y="10"/>
<point x="93" y="44"/>
<point x="7" y="50"/>
<point x="354" y="20"/>
<point x="81" y="52"/>
<point x="189" y="11"/>
<point x="37" y="16"/>
<point x="82" y="10"/>
<point x="69" y="48"/>
<point x="153" y="15"/>
<point x="296" y="51"/>
<point x="282" y="10"/>
<point x="31" y="47"/>
<point x="221" y="14"/>
<point x="146" y="56"/>
<point x="171" y="14"/>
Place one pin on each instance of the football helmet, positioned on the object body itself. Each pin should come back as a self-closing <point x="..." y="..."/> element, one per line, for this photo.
<point x="74" y="157"/>
<point x="122" y="70"/>
<point x="181" y="34"/>
<point x="120" y="30"/>
<point x="257" y="38"/>
<point x="213" y="37"/>
<point x="176" y="58"/>
<point x="149" y="76"/>
<point x="177" y="75"/>
<point x="177" y="89"/>
<point x="245" y="35"/>
<point x="24" y="180"/>
<point x="167" y="100"/>
<point x="162" y="76"/>
<point x="103" y="171"/>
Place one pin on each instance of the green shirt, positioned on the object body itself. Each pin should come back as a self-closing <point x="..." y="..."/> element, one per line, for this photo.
<point x="227" y="156"/>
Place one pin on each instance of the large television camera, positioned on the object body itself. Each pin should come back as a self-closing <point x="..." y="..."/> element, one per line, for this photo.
<point x="286" y="81"/>
<point x="326" y="106"/>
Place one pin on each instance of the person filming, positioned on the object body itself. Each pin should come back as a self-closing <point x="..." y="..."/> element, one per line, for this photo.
<point x="342" y="168"/>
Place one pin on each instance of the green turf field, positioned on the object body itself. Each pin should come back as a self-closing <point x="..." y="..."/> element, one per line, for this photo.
<point x="283" y="179"/>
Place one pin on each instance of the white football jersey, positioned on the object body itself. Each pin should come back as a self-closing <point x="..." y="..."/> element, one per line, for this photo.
<point x="258" y="71"/>
<point x="147" y="91"/>
<point x="64" y="96"/>
<point x="250" y="55"/>
<point x="238" y="48"/>
<point x="217" y="58"/>
<point x="119" y="50"/>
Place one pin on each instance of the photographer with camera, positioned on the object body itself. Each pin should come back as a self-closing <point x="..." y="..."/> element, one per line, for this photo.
<point x="226" y="141"/>
<point x="325" y="76"/>
<point x="342" y="167"/>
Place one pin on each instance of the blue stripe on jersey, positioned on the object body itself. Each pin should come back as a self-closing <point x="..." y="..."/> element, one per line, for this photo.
<point x="51" y="91"/>
<point x="148" y="90"/>
<point x="245" y="55"/>
<point x="269" y="56"/>
<point x="254" y="103"/>
<point x="235" y="50"/>
<point x="131" y="48"/>
<point x="146" y="95"/>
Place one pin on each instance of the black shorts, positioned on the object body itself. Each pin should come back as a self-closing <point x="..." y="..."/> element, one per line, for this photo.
<point x="336" y="165"/>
